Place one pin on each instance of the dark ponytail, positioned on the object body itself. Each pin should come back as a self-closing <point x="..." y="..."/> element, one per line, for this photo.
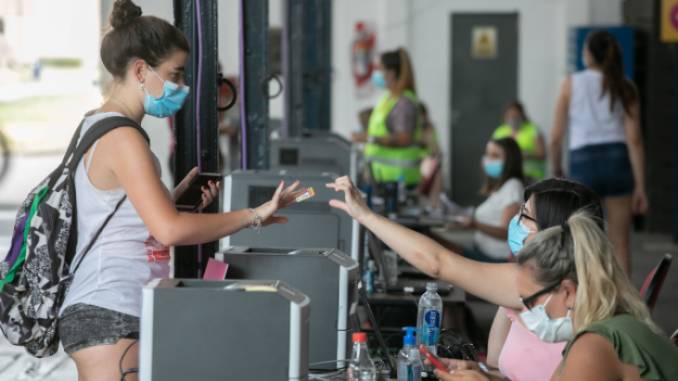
<point x="606" y="52"/>
<point x="135" y="36"/>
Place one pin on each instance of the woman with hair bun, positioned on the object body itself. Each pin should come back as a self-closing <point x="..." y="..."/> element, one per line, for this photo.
<point x="99" y="318"/>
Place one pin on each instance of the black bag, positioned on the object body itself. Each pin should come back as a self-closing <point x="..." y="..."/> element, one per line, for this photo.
<point x="36" y="273"/>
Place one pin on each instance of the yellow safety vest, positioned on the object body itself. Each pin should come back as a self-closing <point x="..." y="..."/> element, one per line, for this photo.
<point x="391" y="163"/>
<point x="527" y="141"/>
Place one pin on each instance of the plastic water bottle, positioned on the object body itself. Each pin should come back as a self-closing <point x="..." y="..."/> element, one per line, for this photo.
<point x="361" y="367"/>
<point x="409" y="361"/>
<point x="402" y="190"/>
<point x="429" y="317"/>
<point x="368" y="277"/>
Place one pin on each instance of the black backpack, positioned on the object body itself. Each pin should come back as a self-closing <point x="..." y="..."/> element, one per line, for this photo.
<point x="36" y="273"/>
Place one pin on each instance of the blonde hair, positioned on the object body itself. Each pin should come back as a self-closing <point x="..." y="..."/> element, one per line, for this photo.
<point x="399" y="61"/>
<point x="580" y="251"/>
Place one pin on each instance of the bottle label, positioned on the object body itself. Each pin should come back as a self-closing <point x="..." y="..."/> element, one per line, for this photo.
<point x="431" y="327"/>
<point x="409" y="372"/>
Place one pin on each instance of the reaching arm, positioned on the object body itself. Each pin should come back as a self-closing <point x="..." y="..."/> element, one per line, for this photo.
<point x="132" y="165"/>
<point x="559" y="127"/>
<point x="498" y="280"/>
<point x="637" y="156"/>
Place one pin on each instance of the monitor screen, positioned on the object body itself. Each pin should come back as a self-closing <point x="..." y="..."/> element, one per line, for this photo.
<point x="258" y="195"/>
<point x="289" y="156"/>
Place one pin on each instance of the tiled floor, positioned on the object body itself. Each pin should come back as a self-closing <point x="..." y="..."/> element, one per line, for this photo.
<point x="15" y="365"/>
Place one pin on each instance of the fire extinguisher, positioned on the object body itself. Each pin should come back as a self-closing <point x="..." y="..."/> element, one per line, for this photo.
<point x="362" y="51"/>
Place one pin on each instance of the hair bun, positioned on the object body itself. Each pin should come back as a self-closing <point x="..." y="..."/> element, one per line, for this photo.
<point x="124" y="13"/>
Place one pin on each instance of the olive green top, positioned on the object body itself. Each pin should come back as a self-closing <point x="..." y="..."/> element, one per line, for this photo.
<point x="655" y="356"/>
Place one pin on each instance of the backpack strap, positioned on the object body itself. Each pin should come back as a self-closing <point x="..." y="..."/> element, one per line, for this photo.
<point x="72" y="144"/>
<point x="98" y="130"/>
<point x="96" y="235"/>
<point x="95" y="132"/>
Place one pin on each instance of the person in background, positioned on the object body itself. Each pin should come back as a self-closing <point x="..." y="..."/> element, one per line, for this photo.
<point x="503" y="170"/>
<point x="600" y="108"/>
<point x="394" y="131"/>
<point x="431" y="186"/>
<point x="359" y="135"/>
<point x="518" y="126"/>
<point x="229" y="126"/>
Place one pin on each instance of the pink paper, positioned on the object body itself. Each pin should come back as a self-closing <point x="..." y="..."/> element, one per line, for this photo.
<point x="216" y="270"/>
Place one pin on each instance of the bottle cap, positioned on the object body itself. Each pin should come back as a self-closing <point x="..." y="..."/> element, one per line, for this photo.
<point x="360" y="337"/>
<point x="431" y="286"/>
<point x="409" y="338"/>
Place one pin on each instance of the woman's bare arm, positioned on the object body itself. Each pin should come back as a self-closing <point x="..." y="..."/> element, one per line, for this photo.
<point x="499" y="232"/>
<point x="498" y="333"/>
<point x="634" y="138"/>
<point x="559" y="127"/>
<point x="132" y="165"/>
<point x="492" y="282"/>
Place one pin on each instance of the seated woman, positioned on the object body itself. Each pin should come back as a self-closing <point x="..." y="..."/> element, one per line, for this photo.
<point x="518" y="126"/>
<point x="502" y="165"/>
<point x="547" y="203"/>
<point x="574" y="290"/>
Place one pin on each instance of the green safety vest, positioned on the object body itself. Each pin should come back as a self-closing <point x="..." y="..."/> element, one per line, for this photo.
<point x="388" y="163"/>
<point x="527" y="141"/>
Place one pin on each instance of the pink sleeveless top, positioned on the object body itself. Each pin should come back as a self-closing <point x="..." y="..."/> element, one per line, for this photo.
<point x="526" y="358"/>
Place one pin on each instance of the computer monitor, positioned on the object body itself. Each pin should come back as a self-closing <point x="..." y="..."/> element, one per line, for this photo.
<point x="312" y="223"/>
<point x="315" y="152"/>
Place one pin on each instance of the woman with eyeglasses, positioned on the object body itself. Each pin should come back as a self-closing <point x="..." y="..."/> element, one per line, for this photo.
<point x="547" y="203"/>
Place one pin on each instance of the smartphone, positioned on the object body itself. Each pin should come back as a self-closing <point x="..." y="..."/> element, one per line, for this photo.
<point x="432" y="358"/>
<point x="192" y="197"/>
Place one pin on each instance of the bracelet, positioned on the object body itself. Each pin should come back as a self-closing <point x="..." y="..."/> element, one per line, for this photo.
<point x="256" y="221"/>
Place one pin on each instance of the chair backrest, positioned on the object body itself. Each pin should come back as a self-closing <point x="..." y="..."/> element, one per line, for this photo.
<point x="654" y="281"/>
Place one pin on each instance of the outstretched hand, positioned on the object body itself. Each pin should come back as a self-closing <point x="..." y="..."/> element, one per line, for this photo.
<point x="282" y="198"/>
<point x="353" y="203"/>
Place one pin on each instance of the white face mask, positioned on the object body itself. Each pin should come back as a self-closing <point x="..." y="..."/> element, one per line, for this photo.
<point x="547" y="329"/>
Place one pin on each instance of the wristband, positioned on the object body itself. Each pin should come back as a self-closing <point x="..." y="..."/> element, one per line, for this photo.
<point x="256" y="221"/>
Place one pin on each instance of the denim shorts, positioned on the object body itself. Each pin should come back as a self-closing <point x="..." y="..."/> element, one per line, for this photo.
<point x="605" y="168"/>
<point x="83" y="325"/>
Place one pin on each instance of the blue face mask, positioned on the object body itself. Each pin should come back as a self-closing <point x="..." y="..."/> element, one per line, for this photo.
<point x="171" y="100"/>
<point x="378" y="79"/>
<point x="493" y="168"/>
<point x="517" y="233"/>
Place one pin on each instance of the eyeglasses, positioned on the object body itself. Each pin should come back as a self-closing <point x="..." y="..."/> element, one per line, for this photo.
<point x="524" y="215"/>
<point x="529" y="301"/>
